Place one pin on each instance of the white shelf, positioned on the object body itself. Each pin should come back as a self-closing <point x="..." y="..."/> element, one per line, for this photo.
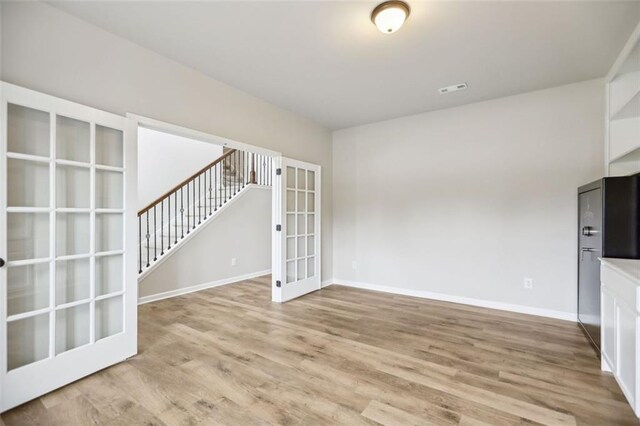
<point x="626" y="164"/>
<point x="629" y="110"/>
<point x="622" y="153"/>
<point x="624" y="137"/>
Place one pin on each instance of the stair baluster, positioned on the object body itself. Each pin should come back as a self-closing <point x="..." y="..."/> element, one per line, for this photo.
<point x="228" y="176"/>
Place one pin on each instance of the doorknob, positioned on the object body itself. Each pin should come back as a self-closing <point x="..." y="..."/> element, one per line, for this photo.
<point x="1" y="262"/>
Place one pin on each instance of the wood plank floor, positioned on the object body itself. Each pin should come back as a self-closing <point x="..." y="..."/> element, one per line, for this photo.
<point x="339" y="356"/>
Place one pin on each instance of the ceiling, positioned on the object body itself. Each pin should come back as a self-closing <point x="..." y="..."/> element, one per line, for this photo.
<point x="327" y="61"/>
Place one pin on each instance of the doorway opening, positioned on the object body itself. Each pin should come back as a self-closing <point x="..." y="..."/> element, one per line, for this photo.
<point x="204" y="211"/>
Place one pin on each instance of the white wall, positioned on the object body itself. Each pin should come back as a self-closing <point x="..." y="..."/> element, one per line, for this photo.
<point x="470" y="200"/>
<point x="53" y="52"/>
<point x="242" y="231"/>
<point x="165" y="160"/>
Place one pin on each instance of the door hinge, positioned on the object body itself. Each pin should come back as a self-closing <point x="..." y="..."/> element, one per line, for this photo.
<point x="278" y="171"/>
<point x="278" y="227"/>
<point x="278" y="284"/>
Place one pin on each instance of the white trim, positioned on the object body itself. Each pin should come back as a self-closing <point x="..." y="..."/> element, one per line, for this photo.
<point x="326" y="283"/>
<point x="186" y="132"/>
<point x="530" y="310"/>
<point x="167" y="254"/>
<point x="198" y="287"/>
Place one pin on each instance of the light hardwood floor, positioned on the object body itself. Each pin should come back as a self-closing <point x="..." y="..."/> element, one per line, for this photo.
<point x="339" y="356"/>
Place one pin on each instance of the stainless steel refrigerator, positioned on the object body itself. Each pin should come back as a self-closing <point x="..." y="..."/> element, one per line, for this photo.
<point x="608" y="226"/>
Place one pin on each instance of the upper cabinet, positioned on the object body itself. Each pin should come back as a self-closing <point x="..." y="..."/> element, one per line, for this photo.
<point x="622" y="146"/>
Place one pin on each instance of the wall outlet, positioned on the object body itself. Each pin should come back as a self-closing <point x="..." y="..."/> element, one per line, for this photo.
<point x="528" y="283"/>
<point x="354" y="265"/>
<point x="234" y="262"/>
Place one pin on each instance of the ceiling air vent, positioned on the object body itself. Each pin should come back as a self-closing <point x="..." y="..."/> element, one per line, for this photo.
<point x="454" y="88"/>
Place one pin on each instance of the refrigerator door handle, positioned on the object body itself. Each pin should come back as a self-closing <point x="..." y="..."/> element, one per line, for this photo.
<point x="586" y="249"/>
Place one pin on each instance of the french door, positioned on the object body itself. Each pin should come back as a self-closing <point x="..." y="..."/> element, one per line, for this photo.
<point x="296" y="236"/>
<point x="67" y="217"/>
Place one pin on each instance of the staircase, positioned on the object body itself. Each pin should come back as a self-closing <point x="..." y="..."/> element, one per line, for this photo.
<point x="172" y="218"/>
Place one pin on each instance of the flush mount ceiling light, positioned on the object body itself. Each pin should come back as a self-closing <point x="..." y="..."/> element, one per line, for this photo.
<point x="390" y="15"/>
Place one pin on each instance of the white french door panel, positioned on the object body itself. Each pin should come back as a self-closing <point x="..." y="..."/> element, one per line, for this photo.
<point x="68" y="285"/>
<point x="296" y="262"/>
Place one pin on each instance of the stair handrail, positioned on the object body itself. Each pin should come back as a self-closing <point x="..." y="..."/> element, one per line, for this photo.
<point x="186" y="181"/>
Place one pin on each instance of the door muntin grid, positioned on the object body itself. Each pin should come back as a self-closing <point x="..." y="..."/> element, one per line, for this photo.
<point x="65" y="260"/>
<point x="300" y="224"/>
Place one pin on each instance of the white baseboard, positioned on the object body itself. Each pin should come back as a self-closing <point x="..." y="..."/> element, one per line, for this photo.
<point x="549" y="313"/>
<point x="186" y="290"/>
<point x="326" y="283"/>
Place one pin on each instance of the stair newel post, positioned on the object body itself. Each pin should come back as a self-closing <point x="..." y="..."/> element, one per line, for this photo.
<point x="155" y="236"/>
<point x="148" y="238"/>
<point x="210" y="194"/>
<point x="188" y="227"/>
<point x="193" y="187"/>
<point x="175" y="216"/>
<point x="235" y="173"/>
<point x="181" y="213"/>
<point x="226" y="179"/>
<point x="215" y="188"/>
<point x="199" y="199"/>
<point x="169" y="221"/>
<point x="252" y="174"/>
<point x="161" y="227"/>
<point x="140" y="243"/>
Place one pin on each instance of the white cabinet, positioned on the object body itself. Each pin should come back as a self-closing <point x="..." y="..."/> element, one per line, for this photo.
<point x="608" y="337"/>
<point x="620" y="305"/>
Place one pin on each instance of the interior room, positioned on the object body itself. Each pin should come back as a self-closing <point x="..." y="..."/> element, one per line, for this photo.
<point x="320" y="212"/>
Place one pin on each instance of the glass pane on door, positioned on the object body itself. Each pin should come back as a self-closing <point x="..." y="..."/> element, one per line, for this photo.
<point x="72" y="280"/>
<point x="109" y="319"/>
<point x="72" y="234"/>
<point x="72" y="186"/>
<point x="72" y="328"/>
<point x="29" y="183"/>
<point x="109" y="232"/>
<point x="72" y="139"/>
<point x="311" y="266"/>
<point x="109" y="190"/>
<point x="109" y="147"/>
<point x="28" y="131"/>
<point x="108" y="274"/>
<point x="27" y="340"/>
<point x="27" y="288"/>
<point x="27" y="236"/>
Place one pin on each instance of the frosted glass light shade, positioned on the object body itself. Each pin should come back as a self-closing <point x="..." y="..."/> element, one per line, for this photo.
<point x="390" y="16"/>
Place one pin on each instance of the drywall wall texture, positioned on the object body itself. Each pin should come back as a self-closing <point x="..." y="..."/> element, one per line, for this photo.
<point x="165" y="160"/>
<point x="471" y="200"/>
<point x="50" y="51"/>
<point x="242" y="232"/>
